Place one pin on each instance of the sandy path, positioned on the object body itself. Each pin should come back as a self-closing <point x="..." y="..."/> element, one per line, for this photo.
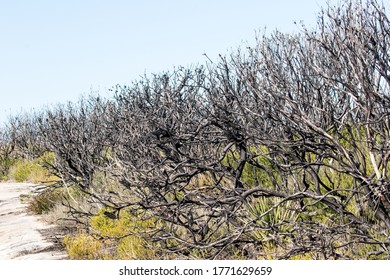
<point x="21" y="234"/>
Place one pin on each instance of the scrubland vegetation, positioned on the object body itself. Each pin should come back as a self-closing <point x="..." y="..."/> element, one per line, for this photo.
<point x="277" y="151"/>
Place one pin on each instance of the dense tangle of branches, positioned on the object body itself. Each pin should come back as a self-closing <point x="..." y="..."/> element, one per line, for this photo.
<point x="285" y="144"/>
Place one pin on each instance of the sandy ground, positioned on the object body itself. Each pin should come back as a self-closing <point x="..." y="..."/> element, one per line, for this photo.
<point x="24" y="236"/>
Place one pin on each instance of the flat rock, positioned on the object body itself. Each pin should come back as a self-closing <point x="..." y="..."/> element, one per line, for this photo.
<point x="23" y="235"/>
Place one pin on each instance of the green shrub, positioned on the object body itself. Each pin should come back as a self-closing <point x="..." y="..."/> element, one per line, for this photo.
<point x="32" y="171"/>
<point x="44" y="202"/>
<point x="5" y="165"/>
<point x="20" y="171"/>
<point x="112" y="238"/>
<point x="83" y="247"/>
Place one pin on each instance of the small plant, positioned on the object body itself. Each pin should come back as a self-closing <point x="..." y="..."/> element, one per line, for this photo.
<point x="44" y="202"/>
<point x="112" y="239"/>
<point x="20" y="171"/>
<point x="5" y="165"/>
<point x="83" y="247"/>
<point x="32" y="171"/>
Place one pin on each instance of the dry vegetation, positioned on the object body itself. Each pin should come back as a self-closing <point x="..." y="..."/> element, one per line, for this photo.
<point x="278" y="151"/>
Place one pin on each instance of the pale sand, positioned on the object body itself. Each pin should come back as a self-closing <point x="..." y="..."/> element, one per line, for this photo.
<point x="24" y="236"/>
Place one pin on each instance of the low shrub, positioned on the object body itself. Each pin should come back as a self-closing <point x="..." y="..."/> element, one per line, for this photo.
<point x="83" y="247"/>
<point x="5" y="165"/>
<point x="20" y="171"/>
<point x="118" y="238"/>
<point x="44" y="202"/>
<point x="33" y="171"/>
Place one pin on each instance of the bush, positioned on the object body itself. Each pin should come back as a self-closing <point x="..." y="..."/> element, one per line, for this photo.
<point x="21" y="171"/>
<point x="44" y="202"/>
<point x="32" y="171"/>
<point x="112" y="239"/>
<point x="5" y="165"/>
<point x="277" y="150"/>
<point x="83" y="247"/>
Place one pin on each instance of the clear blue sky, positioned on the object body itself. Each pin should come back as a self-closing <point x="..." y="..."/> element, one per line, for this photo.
<point x="53" y="51"/>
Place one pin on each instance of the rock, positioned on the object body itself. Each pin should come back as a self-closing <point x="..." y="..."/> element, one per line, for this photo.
<point x="23" y="235"/>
